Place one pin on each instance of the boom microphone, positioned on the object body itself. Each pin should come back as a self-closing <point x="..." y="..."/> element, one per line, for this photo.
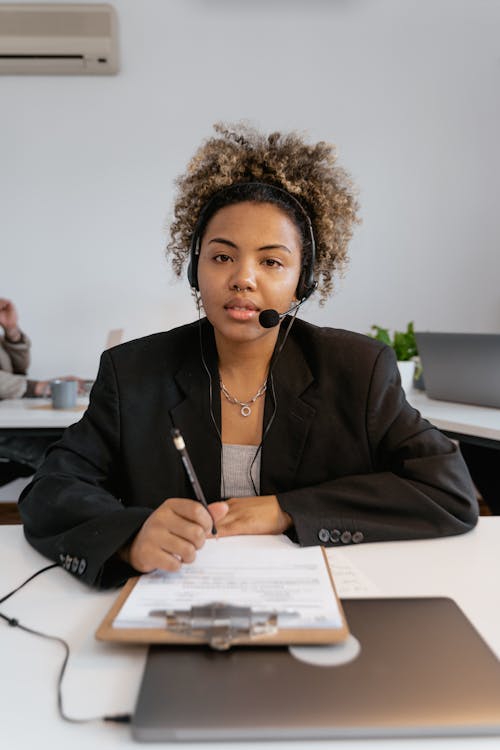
<point x="270" y="318"/>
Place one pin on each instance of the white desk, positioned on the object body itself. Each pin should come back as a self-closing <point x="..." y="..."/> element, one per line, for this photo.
<point x="104" y="678"/>
<point x="460" y="420"/>
<point x="36" y="415"/>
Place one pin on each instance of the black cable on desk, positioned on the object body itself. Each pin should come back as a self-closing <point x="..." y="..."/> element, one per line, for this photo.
<point x="13" y="622"/>
<point x="38" y="572"/>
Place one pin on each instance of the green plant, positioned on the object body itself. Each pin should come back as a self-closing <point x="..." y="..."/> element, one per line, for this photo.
<point x="404" y="344"/>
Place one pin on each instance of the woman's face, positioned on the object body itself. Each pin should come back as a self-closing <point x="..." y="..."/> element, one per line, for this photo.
<point x="250" y="260"/>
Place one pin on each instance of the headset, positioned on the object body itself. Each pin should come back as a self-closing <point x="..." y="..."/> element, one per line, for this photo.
<point x="306" y="284"/>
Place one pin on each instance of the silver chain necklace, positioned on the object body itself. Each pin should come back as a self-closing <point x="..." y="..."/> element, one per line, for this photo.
<point x="246" y="409"/>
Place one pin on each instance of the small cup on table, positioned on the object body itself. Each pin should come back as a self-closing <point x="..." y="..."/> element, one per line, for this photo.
<point x="63" y="393"/>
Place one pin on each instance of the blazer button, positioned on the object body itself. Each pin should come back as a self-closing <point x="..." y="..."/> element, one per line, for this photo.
<point x="334" y="536"/>
<point x="82" y="567"/>
<point x="67" y="562"/>
<point x="74" y="564"/>
<point x="346" y="537"/>
<point x="358" y="537"/>
<point x="62" y="558"/>
<point x="324" y="535"/>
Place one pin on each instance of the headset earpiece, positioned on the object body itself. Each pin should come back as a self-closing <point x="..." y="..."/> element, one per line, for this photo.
<point x="194" y="254"/>
<point x="307" y="283"/>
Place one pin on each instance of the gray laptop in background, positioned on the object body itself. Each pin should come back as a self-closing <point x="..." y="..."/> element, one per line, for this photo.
<point x="422" y="671"/>
<point x="463" y="367"/>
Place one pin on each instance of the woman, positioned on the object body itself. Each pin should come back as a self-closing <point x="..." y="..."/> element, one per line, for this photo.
<point x="291" y="428"/>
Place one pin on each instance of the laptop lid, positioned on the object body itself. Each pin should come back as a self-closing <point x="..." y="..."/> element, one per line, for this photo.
<point x="462" y="367"/>
<point x="422" y="670"/>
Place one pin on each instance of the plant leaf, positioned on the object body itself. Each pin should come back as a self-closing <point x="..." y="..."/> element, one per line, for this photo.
<point x="381" y="334"/>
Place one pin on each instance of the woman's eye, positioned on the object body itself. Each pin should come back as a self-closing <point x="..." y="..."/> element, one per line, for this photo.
<point x="222" y="258"/>
<point x="272" y="263"/>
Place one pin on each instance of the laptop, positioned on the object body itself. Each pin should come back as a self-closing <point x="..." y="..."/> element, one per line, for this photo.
<point x="463" y="367"/>
<point x="422" y="671"/>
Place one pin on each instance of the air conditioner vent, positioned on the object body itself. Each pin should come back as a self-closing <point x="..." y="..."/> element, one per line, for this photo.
<point x="58" y="39"/>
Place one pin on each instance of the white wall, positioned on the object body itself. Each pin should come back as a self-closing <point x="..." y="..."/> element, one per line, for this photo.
<point x="408" y="89"/>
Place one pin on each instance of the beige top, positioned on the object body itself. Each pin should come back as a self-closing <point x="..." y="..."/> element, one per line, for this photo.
<point x="235" y="474"/>
<point x="14" y="363"/>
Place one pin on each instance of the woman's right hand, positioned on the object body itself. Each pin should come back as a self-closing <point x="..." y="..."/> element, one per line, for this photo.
<point x="173" y="534"/>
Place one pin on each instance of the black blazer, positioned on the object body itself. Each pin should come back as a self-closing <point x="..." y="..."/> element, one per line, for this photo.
<point x="349" y="459"/>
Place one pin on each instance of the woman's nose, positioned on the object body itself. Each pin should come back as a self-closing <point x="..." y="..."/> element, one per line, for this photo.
<point x="243" y="277"/>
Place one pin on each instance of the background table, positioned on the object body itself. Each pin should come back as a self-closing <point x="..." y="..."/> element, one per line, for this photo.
<point x="474" y="424"/>
<point x="103" y="678"/>
<point x="35" y="416"/>
<point x="477" y="423"/>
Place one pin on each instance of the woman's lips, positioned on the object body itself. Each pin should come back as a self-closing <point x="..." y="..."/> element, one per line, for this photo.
<point x="239" y="309"/>
<point x="241" y="313"/>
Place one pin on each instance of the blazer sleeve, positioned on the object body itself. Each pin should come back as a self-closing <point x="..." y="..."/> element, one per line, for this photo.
<point x="72" y="512"/>
<point x="419" y="486"/>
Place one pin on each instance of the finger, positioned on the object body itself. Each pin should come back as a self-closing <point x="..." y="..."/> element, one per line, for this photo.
<point x="147" y="560"/>
<point x="230" y="528"/>
<point x="231" y="523"/>
<point x="165" y="525"/>
<point x="245" y="519"/>
<point x="180" y="548"/>
<point x="149" y="551"/>
<point x="162" y="533"/>
<point x="190" y="532"/>
<point x="190" y="510"/>
<point x="145" y="554"/>
<point x="218" y="510"/>
<point x="168" y="562"/>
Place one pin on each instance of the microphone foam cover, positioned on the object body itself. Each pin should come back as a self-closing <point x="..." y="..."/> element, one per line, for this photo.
<point x="269" y="318"/>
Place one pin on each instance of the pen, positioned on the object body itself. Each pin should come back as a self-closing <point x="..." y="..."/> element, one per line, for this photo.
<point x="181" y="447"/>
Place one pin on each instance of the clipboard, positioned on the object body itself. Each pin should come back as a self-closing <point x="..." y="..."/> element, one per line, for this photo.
<point x="220" y="625"/>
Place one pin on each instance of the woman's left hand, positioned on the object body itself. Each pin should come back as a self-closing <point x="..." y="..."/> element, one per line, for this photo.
<point x="254" y="515"/>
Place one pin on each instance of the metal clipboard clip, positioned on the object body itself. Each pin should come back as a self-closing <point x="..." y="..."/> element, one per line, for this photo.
<point x="219" y="624"/>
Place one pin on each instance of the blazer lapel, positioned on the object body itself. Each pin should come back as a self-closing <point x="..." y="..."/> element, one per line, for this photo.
<point x="193" y="415"/>
<point x="283" y="445"/>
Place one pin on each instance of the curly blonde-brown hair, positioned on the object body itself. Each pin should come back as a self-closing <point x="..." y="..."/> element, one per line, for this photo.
<point x="240" y="154"/>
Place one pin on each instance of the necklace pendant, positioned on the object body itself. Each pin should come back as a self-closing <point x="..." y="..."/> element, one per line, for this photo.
<point x="245" y="411"/>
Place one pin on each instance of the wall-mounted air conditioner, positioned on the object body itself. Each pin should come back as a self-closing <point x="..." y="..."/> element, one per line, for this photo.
<point x="58" y="39"/>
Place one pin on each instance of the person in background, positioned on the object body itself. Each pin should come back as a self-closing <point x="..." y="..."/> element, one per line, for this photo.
<point x="19" y="457"/>
<point x="14" y="354"/>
